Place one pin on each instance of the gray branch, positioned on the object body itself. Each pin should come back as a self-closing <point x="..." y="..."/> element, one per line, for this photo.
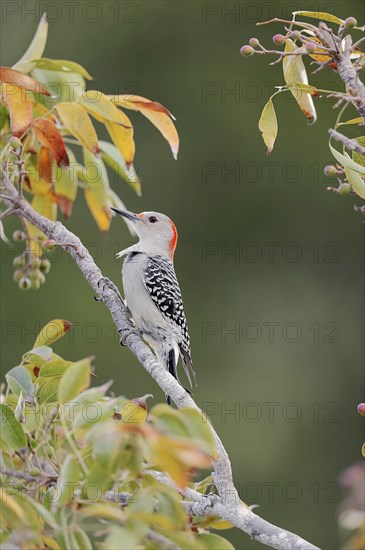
<point x="228" y="504"/>
<point x="351" y="144"/>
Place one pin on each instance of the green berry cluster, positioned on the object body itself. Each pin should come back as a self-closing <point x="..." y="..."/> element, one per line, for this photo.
<point x="30" y="271"/>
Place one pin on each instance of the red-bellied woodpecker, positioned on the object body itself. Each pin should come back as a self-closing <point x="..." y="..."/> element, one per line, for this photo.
<point x="152" y="291"/>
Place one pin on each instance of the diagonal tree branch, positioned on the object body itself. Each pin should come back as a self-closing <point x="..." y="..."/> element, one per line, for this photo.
<point x="228" y="504"/>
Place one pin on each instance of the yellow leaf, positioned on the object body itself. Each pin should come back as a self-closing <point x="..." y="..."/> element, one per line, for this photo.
<point x="78" y="123"/>
<point x="51" y="332"/>
<point x="320" y="57"/>
<point x="123" y="140"/>
<point x="268" y="125"/>
<point x="295" y="73"/>
<point x="97" y="190"/>
<point x="320" y="15"/>
<point x="102" y="108"/>
<point x="20" y="108"/>
<point x="36" y="47"/>
<point x="11" y="503"/>
<point x="156" y="113"/>
<point x="50" y="543"/>
<point x="358" y="120"/>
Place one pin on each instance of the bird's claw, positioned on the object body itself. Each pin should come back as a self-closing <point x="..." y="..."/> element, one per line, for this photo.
<point x="210" y="500"/>
<point x="125" y="333"/>
<point x="105" y="283"/>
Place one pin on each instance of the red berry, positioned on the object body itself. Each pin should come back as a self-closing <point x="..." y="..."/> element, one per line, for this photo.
<point x="246" y="51"/>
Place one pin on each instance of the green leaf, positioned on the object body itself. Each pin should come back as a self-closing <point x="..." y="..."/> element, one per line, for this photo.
<point x="307" y="88"/>
<point x="68" y="480"/>
<point x="42" y="352"/>
<point x="54" y="368"/>
<point x="63" y="86"/>
<point x="81" y="537"/>
<point x="214" y="542"/>
<point x="19" y="380"/>
<point x="320" y="15"/>
<point x="198" y="428"/>
<point x="268" y="125"/>
<point x="168" y="420"/>
<point x="355" y="180"/>
<point x="48" y="391"/>
<point x="121" y="538"/>
<point x="60" y="65"/>
<point x="107" y="442"/>
<point x="36" y="47"/>
<point x="11" y="432"/>
<point x="358" y="120"/>
<point x="359" y="157"/>
<point x="114" y="158"/>
<point x="346" y="162"/>
<point x="75" y="379"/>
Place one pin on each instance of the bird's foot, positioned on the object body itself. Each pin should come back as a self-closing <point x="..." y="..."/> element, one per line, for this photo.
<point x="210" y="500"/>
<point x="124" y="333"/>
<point x="105" y="283"/>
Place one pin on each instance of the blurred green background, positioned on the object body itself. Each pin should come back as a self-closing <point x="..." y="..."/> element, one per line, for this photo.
<point x="292" y="370"/>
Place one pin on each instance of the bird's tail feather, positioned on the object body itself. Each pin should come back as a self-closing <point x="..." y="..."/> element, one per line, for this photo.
<point x="188" y="366"/>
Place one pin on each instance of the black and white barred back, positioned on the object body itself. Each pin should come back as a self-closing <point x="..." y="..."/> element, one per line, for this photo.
<point x="163" y="287"/>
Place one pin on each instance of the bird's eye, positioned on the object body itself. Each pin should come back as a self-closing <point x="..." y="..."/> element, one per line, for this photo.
<point x="152" y="219"/>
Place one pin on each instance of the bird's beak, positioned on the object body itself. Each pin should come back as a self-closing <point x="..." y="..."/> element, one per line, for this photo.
<point x="129" y="215"/>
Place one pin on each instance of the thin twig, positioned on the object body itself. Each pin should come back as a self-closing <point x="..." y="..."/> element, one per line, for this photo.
<point x="351" y="144"/>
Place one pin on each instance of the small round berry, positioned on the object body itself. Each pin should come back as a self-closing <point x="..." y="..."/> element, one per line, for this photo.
<point x="247" y="51"/>
<point x="15" y="142"/>
<point x="310" y="47"/>
<point x="330" y="170"/>
<point x="254" y="42"/>
<point x="25" y="283"/>
<point x="36" y="284"/>
<point x="344" y="188"/>
<point x="350" y="22"/>
<point x="19" y="235"/>
<point x="279" y="39"/>
<point x="45" y="266"/>
<point x="361" y="409"/>
<point x="295" y="35"/>
<point x="35" y="262"/>
<point x="18" y="262"/>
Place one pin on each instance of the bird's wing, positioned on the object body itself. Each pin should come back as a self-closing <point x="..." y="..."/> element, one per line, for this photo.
<point x="163" y="287"/>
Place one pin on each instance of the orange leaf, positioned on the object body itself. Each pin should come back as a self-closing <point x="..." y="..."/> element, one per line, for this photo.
<point x="11" y="76"/>
<point x="45" y="164"/>
<point x="321" y="58"/>
<point x="156" y="113"/>
<point x="20" y="109"/>
<point x="50" y="137"/>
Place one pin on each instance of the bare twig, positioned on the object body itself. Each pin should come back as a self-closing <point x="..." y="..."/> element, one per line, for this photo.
<point x="351" y="144"/>
<point x="228" y="505"/>
<point x="243" y="517"/>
